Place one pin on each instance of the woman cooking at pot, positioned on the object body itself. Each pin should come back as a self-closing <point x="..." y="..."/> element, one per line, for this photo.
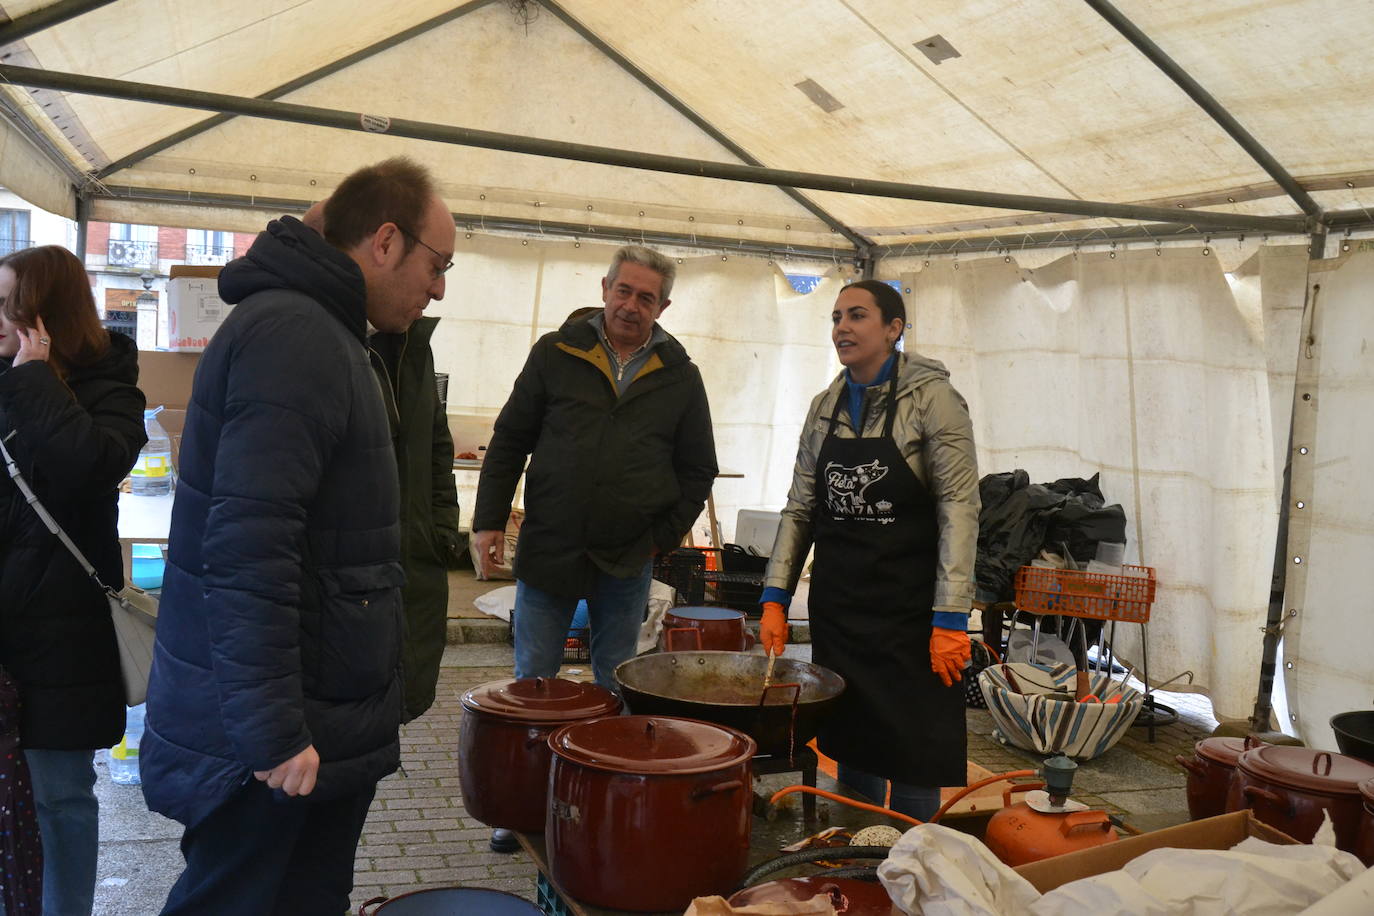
<point x="886" y="488"/>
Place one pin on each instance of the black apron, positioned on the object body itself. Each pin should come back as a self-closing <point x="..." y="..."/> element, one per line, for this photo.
<point x="872" y="586"/>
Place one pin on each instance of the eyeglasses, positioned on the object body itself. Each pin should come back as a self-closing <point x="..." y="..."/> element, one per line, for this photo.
<point x="438" y="271"/>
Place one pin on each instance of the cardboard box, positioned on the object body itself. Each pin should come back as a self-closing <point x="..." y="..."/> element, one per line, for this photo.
<point x="194" y="308"/>
<point x="1220" y="832"/>
<point x="165" y="378"/>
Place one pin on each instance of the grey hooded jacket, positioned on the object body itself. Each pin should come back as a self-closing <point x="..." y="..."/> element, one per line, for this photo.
<point x="934" y="433"/>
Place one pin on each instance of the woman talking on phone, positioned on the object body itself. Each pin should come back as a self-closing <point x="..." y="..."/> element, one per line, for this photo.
<point x="886" y="488"/>
<point x="71" y="415"/>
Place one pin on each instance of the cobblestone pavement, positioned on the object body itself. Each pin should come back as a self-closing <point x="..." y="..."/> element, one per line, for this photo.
<point x="418" y="833"/>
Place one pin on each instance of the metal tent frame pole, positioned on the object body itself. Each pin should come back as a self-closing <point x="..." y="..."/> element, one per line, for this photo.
<point x="858" y="241"/>
<point x="476" y="222"/>
<point x="299" y="82"/>
<point x="1208" y="103"/>
<point x="357" y="121"/>
<point x="46" y="17"/>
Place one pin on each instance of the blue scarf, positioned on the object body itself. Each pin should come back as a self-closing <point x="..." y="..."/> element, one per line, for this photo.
<point x="856" y="391"/>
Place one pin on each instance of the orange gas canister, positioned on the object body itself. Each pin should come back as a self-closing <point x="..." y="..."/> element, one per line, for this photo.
<point x="1047" y="823"/>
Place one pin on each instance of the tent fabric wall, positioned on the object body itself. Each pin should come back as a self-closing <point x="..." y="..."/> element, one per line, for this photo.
<point x="24" y="170"/>
<point x="1141" y="367"/>
<point x="1327" y="602"/>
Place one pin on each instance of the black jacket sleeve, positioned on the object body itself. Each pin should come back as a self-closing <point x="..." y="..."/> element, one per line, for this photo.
<point x="278" y="434"/>
<point x="694" y="462"/>
<point x="444" y="490"/>
<point x="513" y="439"/>
<point x="88" y="448"/>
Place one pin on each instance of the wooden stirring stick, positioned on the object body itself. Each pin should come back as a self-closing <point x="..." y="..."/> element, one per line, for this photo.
<point x="768" y="675"/>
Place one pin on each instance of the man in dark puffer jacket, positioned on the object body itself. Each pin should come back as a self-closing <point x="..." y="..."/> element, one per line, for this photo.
<point x="277" y="671"/>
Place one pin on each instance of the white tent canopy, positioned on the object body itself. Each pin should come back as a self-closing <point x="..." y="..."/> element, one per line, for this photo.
<point x="1237" y="127"/>
<point x="1044" y="98"/>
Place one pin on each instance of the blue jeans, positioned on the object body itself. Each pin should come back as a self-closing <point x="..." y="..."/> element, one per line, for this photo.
<point x="920" y="802"/>
<point x="69" y="820"/>
<point x="615" y="609"/>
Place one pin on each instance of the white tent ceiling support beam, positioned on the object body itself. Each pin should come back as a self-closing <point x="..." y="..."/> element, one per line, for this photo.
<point x="48" y="16"/>
<point x="858" y="241"/>
<point x="476" y="222"/>
<point x="1153" y="233"/>
<point x="299" y="82"/>
<point x="535" y="146"/>
<point x="1208" y="103"/>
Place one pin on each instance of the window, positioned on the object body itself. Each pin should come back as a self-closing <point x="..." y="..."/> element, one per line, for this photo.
<point x="133" y="232"/>
<point x="132" y="246"/>
<point x="207" y="246"/>
<point x="14" y="231"/>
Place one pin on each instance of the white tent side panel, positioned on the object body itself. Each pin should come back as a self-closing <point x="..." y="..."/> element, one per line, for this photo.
<point x="28" y="173"/>
<point x="1327" y="641"/>
<point x="1143" y="368"/>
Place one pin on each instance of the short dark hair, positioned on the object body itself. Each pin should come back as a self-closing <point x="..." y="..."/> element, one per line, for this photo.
<point x="395" y="190"/>
<point x="889" y="300"/>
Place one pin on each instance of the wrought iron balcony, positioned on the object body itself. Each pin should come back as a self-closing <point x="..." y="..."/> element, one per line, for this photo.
<point x="10" y="246"/>
<point x="130" y="253"/>
<point x="209" y="254"/>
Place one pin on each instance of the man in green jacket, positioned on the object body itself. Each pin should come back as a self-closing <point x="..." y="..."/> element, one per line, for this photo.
<point x="612" y="414"/>
<point x="404" y="365"/>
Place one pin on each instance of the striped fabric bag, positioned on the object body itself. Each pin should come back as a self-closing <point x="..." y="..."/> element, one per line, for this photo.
<point x="1032" y="707"/>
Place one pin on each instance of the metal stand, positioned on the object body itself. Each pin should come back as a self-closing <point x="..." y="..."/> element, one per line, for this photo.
<point x="1153" y="714"/>
<point x="803" y="761"/>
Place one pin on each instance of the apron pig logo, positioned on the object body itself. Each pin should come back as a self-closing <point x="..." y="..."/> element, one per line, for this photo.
<point x="846" y="486"/>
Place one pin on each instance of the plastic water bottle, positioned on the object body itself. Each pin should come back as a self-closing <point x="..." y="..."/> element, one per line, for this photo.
<point x="124" y="755"/>
<point x="152" y="474"/>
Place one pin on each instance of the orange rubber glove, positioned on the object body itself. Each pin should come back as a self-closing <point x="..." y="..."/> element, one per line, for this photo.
<point x="949" y="654"/>
<point x="773" y="628"/>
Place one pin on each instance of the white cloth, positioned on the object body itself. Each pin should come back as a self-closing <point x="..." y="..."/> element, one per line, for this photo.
<point x="938" y="871"/>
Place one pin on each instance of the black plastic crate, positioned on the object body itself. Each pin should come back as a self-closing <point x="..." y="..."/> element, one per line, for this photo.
<point x="548" y="899"/>
<point x="683" y="569"/>
<point x="740" y="584"/>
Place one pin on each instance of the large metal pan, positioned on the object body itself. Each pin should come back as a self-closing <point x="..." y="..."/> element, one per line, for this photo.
<point x="727" y="688"/>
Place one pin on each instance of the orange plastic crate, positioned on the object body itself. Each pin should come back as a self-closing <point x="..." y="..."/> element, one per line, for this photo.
<point x="1100" y="596"/>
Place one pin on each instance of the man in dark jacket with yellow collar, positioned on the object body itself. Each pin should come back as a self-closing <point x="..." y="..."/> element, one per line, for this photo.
<point x="612" y="414"/>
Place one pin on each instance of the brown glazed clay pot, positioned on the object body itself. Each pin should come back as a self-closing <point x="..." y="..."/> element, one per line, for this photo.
<point x="647" y="813"/>
<point x="1210" y="771"/>
<point x="1290" y="787"/>
<point x="710" y="629"/>
<point x="503" y="750"/>
<point x="1364" y="840"/>
<point x="847" y="895"/>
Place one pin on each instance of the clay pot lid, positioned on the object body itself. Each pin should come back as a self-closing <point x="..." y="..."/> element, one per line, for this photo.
<point x="1306" y="769"/>
<point x="652" y="744"/>
<point x="1225" y="751"/>
<point x="706" y="613"/>
<point x="541" y="700"/>
<point x="863" y="898"/>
